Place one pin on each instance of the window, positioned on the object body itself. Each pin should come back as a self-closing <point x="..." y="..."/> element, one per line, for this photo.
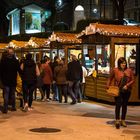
<point x="103" y="55"/>
<point x="33" y="22"/>
<point x="127" y="51"/>
<point x="97" y="59"/>
<point x="15" y="23"/>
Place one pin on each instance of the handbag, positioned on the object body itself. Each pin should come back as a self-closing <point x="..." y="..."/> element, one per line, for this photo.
<point x="113" y="91"/>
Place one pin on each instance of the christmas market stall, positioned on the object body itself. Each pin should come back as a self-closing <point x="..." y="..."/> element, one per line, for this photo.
<point x="64" y="44"/>
<point x="103" y="45"/>
<point x="36" y="46"/>
<point x="39" y="47"/>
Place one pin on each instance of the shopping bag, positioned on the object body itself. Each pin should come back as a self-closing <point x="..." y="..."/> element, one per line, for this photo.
<point x="113" y="91"/>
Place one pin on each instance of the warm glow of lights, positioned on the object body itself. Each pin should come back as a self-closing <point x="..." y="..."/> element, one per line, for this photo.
<point x="79" y="8"/>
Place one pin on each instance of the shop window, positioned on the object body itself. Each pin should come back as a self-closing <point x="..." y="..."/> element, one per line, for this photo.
<point x="127" y="51"/>
<point x="103" y="63"/>
<point x="76" y="52"/>
<point x="98" y="59"/>
<point x="61" y="53"/>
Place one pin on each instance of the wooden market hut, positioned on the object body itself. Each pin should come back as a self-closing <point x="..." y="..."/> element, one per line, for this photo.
<point x="65" y="43"/>
<point x="18" y="46"/>
<point x="38" y="46"/>
<point x="105" y="44"/>
<point x="35" y="45"/>
<point x="2" y="47"/>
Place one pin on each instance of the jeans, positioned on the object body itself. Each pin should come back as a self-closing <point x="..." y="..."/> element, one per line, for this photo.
<point x="121" y="101"/>
<point x="82" y="89"/>
<point x="55" y="91"/>
<point x="9" y="95"/>
<point x="74" y="90"/>
<point x="28" y="90"/>
<point x="46" y="90"/>
<point x="62" y="91"/>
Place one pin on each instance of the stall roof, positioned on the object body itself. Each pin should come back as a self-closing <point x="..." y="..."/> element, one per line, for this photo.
<point x="65" y="37"/>
<point x="111" y="30"/>
<point x="17" y="44"/>
<point x="3" y="45"/>
<point x="38" y="42"/>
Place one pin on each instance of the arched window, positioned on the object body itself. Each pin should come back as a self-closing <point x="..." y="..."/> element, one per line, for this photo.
<point x="79" y="14"/>
<point x="79" y="8"/>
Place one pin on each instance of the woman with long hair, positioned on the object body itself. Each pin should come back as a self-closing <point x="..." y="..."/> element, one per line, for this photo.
<point x="123" y="78"/>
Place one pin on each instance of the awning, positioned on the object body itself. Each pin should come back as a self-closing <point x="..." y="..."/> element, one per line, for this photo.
<point x="64" y="37"/>
<point x="111" y="30"/>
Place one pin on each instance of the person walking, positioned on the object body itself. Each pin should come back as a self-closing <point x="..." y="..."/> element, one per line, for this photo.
<point x="123" y="78"/>
<point x="74" y="77"/>
<point x="9" y="68"/>
<point x="29" y="78"/>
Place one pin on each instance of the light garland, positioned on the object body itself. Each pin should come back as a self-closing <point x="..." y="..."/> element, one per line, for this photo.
<point x="109" y="30"/>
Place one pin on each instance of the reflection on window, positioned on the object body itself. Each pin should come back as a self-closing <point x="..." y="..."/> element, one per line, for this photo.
<point x="127" y="51"/>
<point x="33" y="22"/>
<point x="15" y="23"/>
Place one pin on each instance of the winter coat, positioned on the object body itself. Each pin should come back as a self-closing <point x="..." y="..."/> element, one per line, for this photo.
<point x="48" y="76"/>
<point x="9" y="68"/>
<point x="60" y="73"/>
<point x="74" y="72"/>
<point x="118" y="74"/>
<point x="30" y="72"/>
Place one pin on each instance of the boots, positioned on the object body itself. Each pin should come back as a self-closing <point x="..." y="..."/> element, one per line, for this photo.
<point x="117" y="124"/>
<point x="123" y="123"/>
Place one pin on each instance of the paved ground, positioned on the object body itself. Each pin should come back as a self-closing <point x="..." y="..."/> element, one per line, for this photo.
<point x="55" y="121"/>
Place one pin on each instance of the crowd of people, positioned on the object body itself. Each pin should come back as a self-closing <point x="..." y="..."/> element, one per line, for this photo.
<point x="60" y="79"/>
<point x="26" y="77"/>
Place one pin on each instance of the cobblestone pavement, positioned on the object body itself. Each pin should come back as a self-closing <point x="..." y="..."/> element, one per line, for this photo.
<point x="60" y="121"/>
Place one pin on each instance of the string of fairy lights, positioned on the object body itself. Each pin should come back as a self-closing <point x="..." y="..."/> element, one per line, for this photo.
<point x="93" y="28"/>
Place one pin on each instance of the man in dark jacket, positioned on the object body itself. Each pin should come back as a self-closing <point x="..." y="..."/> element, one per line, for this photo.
<point x="74" y="77"/>
<point x="9" y="68"/>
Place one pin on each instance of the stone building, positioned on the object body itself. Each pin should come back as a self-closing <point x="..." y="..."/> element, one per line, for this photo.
<point x="95" y="9"/>
<point x="132" y="9"/>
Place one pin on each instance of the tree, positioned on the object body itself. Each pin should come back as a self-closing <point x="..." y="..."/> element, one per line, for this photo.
<point x="119" y="7"/>
<point x="29" y="19"/>
<point x="53" y="12"/>
<point x="3" y="20"/>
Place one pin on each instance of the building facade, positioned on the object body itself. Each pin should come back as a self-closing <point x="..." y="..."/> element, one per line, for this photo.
<point x="132" y="9"/>
<point x="93" y="9"/>
<point x="27" y="19"/>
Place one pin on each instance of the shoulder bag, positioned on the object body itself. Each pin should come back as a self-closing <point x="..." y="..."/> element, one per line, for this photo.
<point x="113" y="91"/>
